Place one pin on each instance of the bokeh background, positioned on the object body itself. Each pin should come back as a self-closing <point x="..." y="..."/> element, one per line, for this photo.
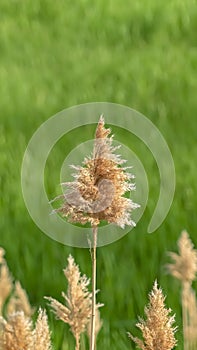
<point x="54" y="55"/>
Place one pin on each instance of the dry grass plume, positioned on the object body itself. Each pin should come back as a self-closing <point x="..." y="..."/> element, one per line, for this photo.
<point x="97" y="192"/>
<point x="18" y="333"/>
<point x="19" y="301"/>
<point x="77" y="309"/>
<point x="184" y="268"/>
<point x="157" y="330"/>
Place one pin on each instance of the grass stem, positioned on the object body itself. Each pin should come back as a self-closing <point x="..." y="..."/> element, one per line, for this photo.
<point x="185" y="315"/>
<point x="92" y="337"/>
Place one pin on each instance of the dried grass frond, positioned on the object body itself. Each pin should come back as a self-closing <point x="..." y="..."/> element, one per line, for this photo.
<point x="5" y="280"/>
<point x="157" y="330"/>
<point x="97" y="193"/>
<point x="19" y="301"/>
<point x="16" y="332"/>
<point x="185" y="263"/>
<point x="77" y="309"/>
<point x="42" y="334"/>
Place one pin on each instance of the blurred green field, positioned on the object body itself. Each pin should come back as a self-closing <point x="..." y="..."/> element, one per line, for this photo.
<point x="54" y="55"/>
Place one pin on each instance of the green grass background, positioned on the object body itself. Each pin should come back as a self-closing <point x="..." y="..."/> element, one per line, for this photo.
<point x="54" y="55"/>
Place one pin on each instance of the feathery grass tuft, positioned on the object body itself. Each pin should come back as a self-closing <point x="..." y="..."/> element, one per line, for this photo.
<point x="42" y="334"/>
<point x="19" y="301"/>
<point x="97" y="193"/>
<point x="78" y="299"/>
<point x="185" y="263"/>
<point x="157" y="330"/>
<point x="16" y="332"/>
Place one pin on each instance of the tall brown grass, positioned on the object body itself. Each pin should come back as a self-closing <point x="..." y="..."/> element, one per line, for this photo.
<point x="96" y="194"/>
<point x="19" y="301"/>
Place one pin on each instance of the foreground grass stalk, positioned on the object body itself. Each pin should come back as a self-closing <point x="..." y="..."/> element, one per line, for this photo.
<point x="92" y="336"/>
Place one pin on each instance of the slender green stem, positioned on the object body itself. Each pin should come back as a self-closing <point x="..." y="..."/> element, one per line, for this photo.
<point x="92" y="337"/>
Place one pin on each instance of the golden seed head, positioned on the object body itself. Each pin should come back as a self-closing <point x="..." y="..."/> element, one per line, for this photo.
<point x="17" y="332"/>
<point x="77" y="309"/>
<point x="97" y="193"/>
<point x="157" y="329"/>
<point x="185" y="263"/>
<point x="19" y="301"/>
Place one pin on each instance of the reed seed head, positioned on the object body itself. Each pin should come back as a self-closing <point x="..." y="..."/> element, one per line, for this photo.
<point x="16" y="332"/>
<point x="19" y="301"/>
<point x="77" y="309"/>
<point x="97" y="192"/>
<point x="157" y="330"/>
<point x="41" y="333"/>
<point x="185" y="263"/>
